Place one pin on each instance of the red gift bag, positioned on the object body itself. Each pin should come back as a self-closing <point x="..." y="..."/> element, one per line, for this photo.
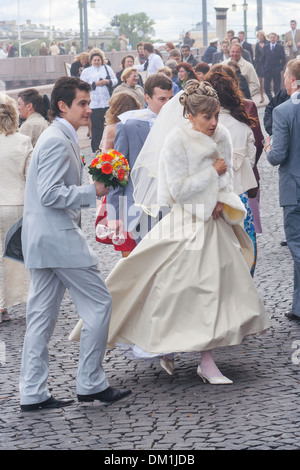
<point x="102" y="218"/>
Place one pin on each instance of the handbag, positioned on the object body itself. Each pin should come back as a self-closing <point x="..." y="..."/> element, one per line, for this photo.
<point x="253" y="191"/>
<point x="109" y="87"/>
<point x="102" y="218"/>
<point x="13" y="242"/>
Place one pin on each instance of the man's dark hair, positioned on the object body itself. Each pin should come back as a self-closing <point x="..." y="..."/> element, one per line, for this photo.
<point x="31" y="95"/>
<point x="149" y="47"/>
<point x="158" y="80"/>
<point x="185" y="46"/>
<point x="65" y="90"/>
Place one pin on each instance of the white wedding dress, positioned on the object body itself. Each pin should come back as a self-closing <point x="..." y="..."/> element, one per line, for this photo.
<point x="187" y="285"/>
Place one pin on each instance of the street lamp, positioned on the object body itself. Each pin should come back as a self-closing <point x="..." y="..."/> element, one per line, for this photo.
<point x="83" y="21"/>
<point x="115" y="23"/>
<point x="245" y="8"/>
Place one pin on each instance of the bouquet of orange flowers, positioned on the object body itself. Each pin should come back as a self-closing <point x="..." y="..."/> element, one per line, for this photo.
<point x="110" y="168"/>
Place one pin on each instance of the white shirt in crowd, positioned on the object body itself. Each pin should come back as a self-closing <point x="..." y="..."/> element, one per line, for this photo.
<point x="99" y="96"/>
<point x="155" y="62"/>
<point x="3" y="54"/>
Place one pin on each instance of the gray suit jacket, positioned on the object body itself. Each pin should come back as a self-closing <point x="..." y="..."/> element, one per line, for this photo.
<point x="54" y="197"/>
<point x="129" y="140"/>
<point x="285" y="149"/>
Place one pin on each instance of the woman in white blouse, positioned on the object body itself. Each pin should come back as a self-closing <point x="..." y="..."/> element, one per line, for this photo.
<point x="101" y="77"/>
<point x="15" y="153"/>
<point x="234" y="117"/>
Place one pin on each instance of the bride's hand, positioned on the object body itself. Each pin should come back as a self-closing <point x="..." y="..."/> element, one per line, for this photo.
<point x="115" y="226"/>
<point x="217" y="212"/>
<point x="220" y="166"/>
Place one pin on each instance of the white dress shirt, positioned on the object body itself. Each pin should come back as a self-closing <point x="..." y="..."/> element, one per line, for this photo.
<point x="154" y="63"/>
<point x="3" y="54"/>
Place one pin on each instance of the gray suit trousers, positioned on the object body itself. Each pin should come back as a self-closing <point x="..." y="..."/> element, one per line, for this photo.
<point x="93" y="303"/>
<point x="291" y="216"/>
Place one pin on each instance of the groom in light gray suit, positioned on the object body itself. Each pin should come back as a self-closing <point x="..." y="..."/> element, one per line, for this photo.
<point x="284" y="151"/>
<point x="58" y="256"/>
<point x="129" y="140"/>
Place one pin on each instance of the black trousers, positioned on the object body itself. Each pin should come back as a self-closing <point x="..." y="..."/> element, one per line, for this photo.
<point x="275" y="75"/>
<point x="97" y="120"/>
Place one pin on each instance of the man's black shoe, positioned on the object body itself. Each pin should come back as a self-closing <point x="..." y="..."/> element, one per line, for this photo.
<point x="283" y="243"/>
<point x="292" y="316"/>
<point x="109" y="395"/>
<point x="47" y="404"/>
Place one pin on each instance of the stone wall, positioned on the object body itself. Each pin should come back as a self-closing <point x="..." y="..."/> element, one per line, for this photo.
<point x="43" y="89"/>
<point x="24" y="72"/>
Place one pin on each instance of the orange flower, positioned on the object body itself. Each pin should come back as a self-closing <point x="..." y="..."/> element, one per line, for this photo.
<point x="107" y="168"/>
<point x="94" y="162"/>
<point x="116" y="153"/>
<point x="121" y="174"/>
<point x="106" y="157"/>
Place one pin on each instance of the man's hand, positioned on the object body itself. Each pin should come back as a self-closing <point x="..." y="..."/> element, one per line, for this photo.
<point x="268" y="145"/>
<point x="101" y="190"/>
<point x="217" y="212"/>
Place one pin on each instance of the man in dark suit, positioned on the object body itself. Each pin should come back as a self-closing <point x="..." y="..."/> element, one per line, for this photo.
<point x="130" y="136"/>
<point x="274" y="62"/>
<point x="187" y="56"/>
<point x="246" y="45"/>
<point x="284" y="151"/>
<point x="278" y="99"/>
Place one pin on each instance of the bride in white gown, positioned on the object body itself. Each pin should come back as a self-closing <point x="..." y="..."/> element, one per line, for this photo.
<point x="187" y="286"/>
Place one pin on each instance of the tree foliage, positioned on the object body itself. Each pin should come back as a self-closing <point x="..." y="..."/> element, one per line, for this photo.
<point x="137" y="27"/>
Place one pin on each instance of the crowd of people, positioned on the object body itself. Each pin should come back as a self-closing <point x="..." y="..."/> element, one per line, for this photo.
<point x="189" y="215"/>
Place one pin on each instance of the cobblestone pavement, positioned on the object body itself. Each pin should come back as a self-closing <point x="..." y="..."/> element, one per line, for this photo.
<point x="261" y="410"/>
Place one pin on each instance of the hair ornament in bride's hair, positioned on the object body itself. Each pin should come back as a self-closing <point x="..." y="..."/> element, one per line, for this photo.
<point x="194" y="86"/>
<point x="191" y="87"/>
<point x="198" y="97"/>
<point x="209" y="90"/>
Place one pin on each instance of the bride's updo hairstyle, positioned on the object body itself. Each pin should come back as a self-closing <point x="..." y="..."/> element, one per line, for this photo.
<point x="199" y="98"/>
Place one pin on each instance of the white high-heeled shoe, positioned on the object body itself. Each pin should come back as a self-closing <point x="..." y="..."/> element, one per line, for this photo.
<point x="222" y="380"/>
<point x="168" y="366"/>
<point x="4" y="316"/>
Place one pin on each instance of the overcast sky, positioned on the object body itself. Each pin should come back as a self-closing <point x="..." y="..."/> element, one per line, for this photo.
<point x="172" y="17"/>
